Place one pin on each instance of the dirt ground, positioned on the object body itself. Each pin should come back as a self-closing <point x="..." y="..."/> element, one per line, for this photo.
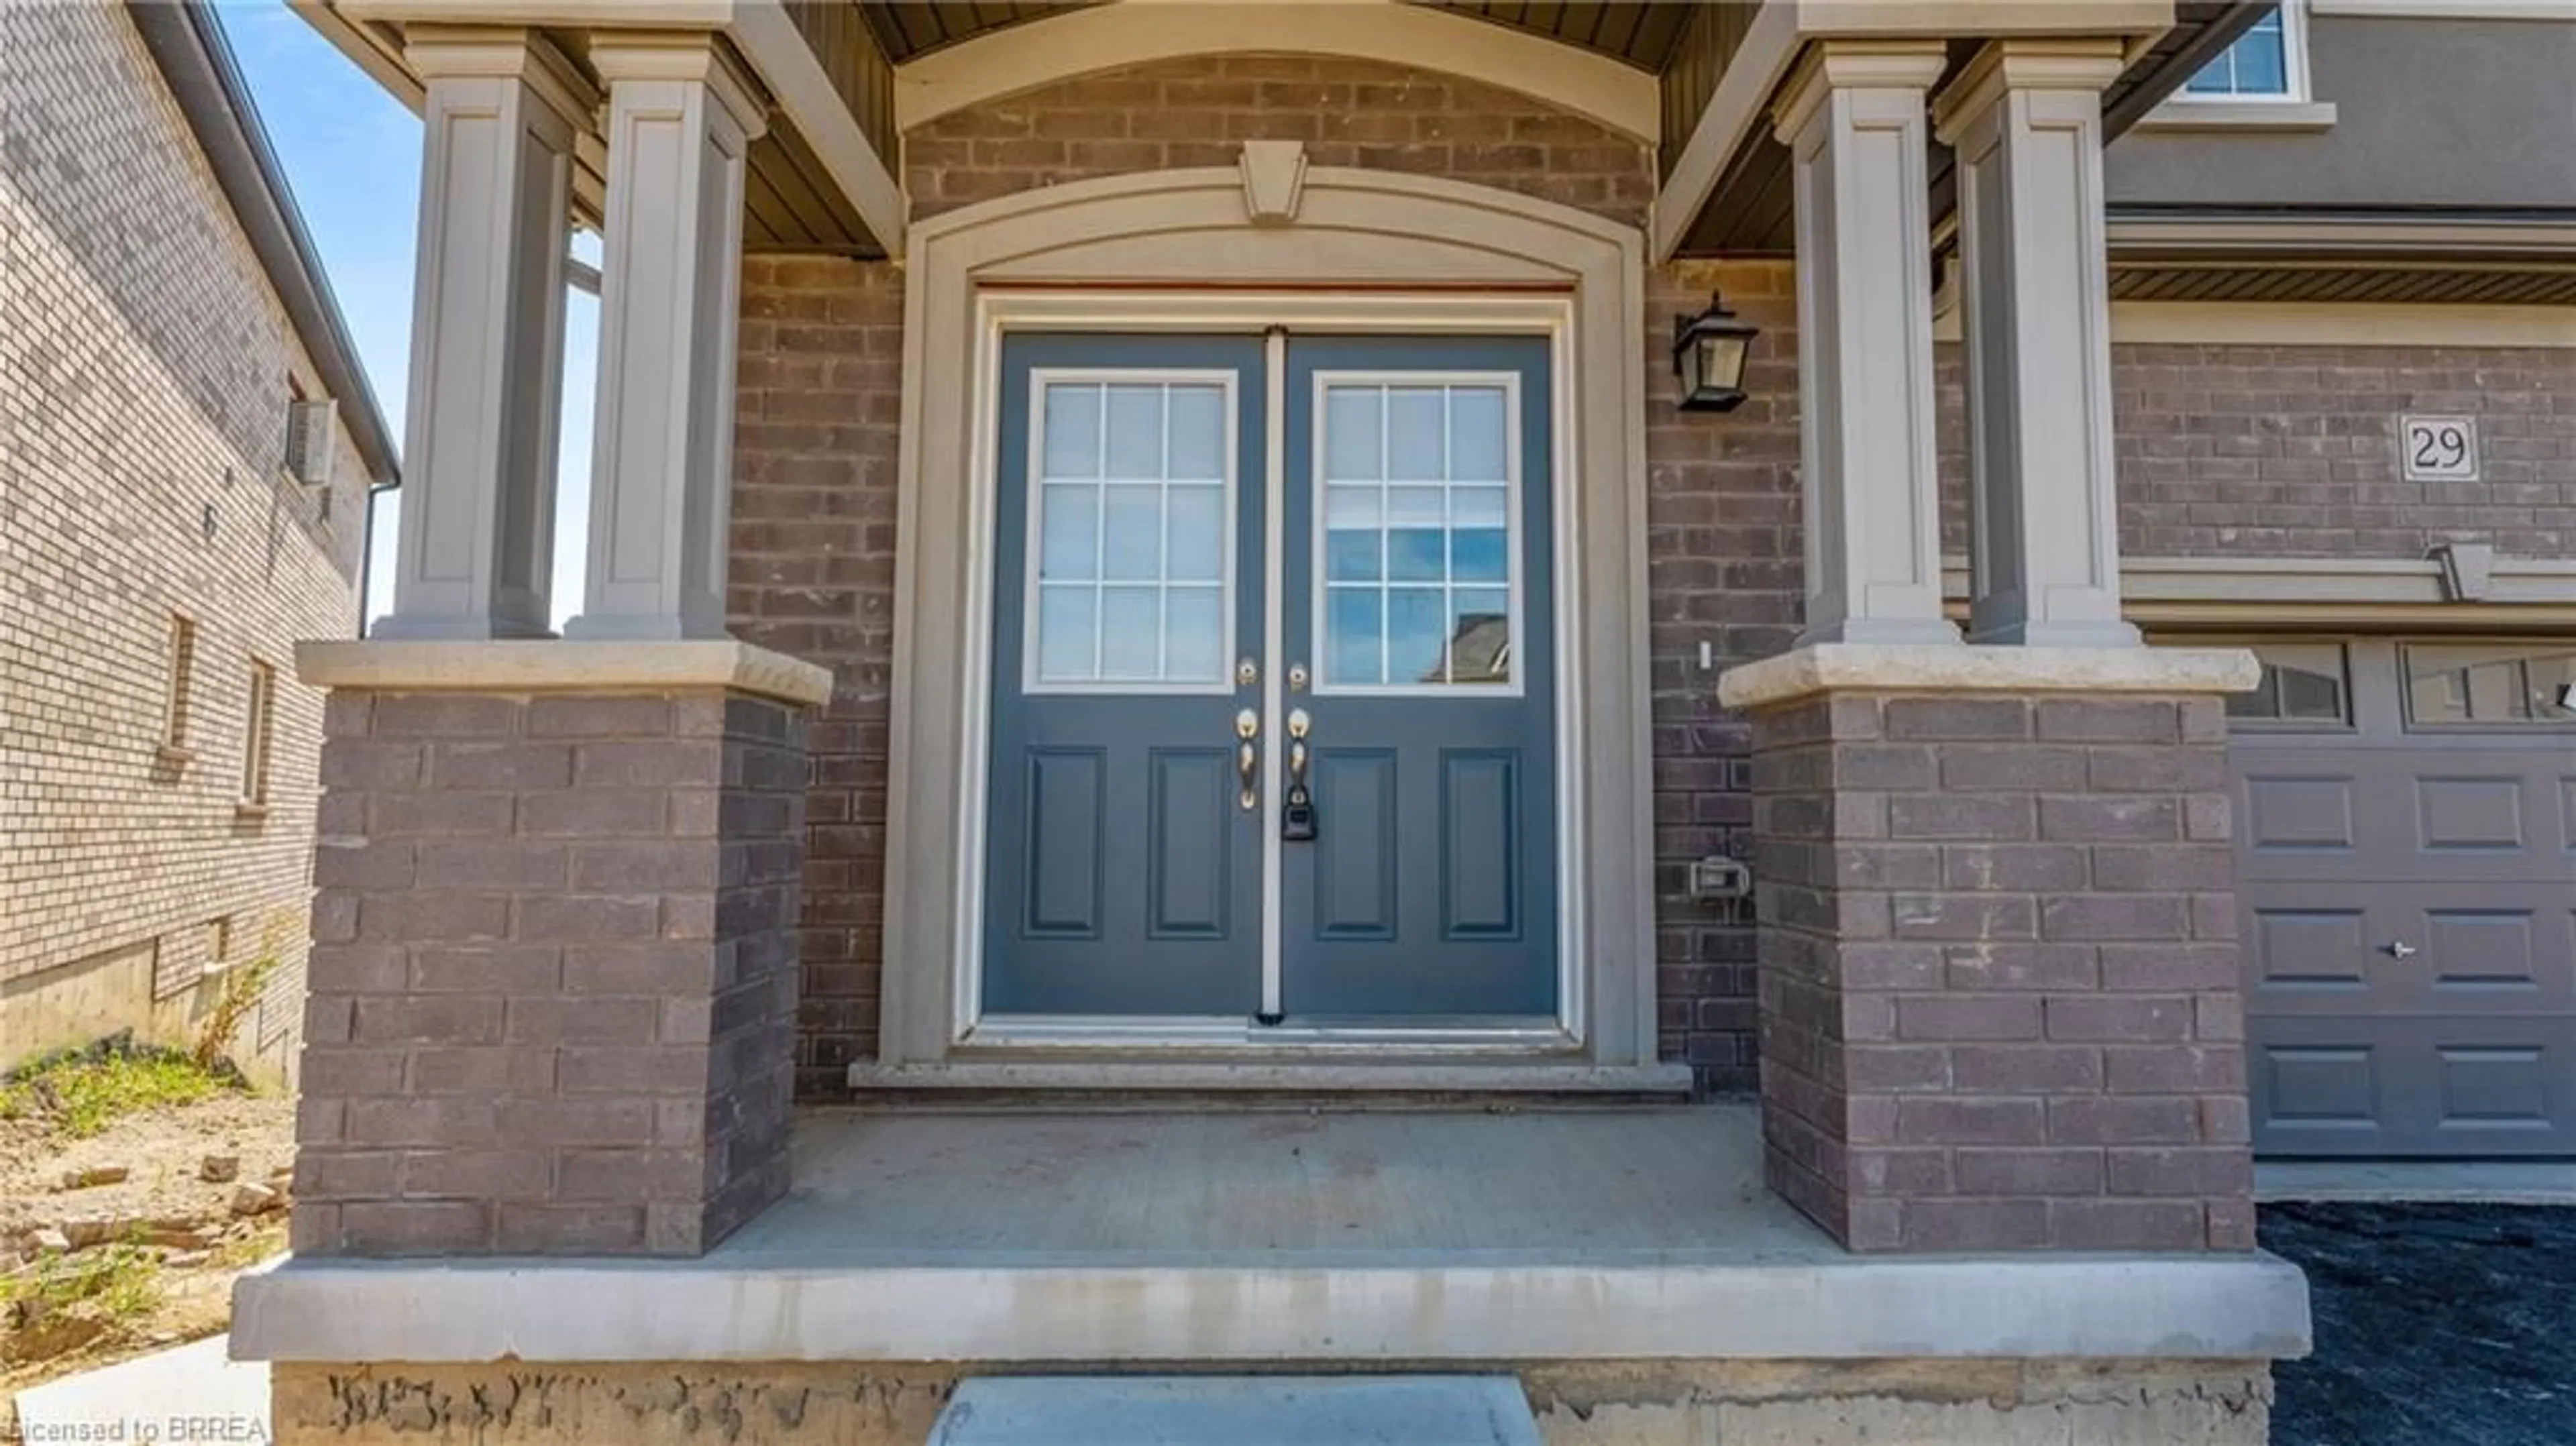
<point x="163" y="1202"/>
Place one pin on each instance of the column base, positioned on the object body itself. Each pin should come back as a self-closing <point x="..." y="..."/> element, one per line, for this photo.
<point x="553" y="982"/>
<point x="1997" y="939"/>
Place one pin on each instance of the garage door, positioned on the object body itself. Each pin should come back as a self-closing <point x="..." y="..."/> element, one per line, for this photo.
<point x="2406" y="835"/>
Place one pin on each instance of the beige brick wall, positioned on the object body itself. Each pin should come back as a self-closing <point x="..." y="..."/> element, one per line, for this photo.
<point x="144" y="365"/>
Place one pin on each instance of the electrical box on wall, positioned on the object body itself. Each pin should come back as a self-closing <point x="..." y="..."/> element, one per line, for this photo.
<point x="1717" y="880"/>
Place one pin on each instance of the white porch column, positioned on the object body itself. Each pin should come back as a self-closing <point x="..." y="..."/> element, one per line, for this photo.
<point x="1853" y="117"/>
<point x="681" y="116"/>
<point x="2035" y="311"/>
<point x="477" y="544"/>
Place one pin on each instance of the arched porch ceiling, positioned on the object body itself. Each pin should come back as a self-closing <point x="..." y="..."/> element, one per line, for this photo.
<point x="1641" y="33"/>
<point x="1040" y="46"/>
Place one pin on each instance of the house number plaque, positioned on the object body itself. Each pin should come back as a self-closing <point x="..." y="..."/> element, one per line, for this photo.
<point x="2438" y="449"/>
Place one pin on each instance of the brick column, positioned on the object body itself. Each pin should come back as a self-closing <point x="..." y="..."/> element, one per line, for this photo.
<point x="553" y="980"/>
<point x="1999" y="984"/>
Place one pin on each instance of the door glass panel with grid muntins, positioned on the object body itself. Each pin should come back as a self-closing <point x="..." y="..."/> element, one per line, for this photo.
<point x="1419" y="557"/>
<point x="1133" y="566"/>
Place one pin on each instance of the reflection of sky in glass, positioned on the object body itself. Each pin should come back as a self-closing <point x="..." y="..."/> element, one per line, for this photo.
<point x="1416" y="512"/>
<point x="2257" y="64"/>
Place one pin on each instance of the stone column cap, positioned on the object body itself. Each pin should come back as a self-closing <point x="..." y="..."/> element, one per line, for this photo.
<point x="1962" y="668"/>
<point x="558" y="666"/>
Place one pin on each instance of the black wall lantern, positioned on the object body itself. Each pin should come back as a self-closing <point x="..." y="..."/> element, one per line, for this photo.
<point x="1709" y="351"/>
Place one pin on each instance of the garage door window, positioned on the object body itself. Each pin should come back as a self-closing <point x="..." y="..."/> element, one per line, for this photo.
<point x="2305" y="685"/>
<point x="2455" y="685"/>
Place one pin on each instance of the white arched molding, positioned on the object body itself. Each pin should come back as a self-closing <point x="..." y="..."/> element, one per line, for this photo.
<point x="1025" y="56"/>
<point x="1366" y="251"/>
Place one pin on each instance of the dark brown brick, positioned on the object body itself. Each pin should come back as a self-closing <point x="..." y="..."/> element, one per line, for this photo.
<point x="2048" y="1172"/>
<point x="1979" y="1224"/>
<point x="1972" y="817"/>
<point x="2101" y="1224"/>
<point x="1923" y="1120"/>
<point x="2109" y="720"/>
<point x="2039" y="1069"/>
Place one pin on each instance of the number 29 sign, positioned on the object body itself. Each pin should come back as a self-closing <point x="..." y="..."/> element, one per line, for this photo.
<point x="2439" y="449"/>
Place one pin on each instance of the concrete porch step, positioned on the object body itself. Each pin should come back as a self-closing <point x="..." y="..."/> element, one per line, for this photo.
<point x="1237" y="1411"/>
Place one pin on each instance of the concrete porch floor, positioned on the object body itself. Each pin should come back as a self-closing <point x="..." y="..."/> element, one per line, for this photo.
<point x="1265" y="1235"/>
<point x="1262" y="1185"/>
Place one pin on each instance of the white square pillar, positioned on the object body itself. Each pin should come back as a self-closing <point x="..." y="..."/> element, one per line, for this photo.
<point x="2025" y="118"/>
<point x="682" y="114"/>
<point x="1853" y="119"/>
<point x="499" y="124"/>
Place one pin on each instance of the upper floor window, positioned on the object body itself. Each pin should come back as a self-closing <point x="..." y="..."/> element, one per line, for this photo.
<point x="2268" y="62"/>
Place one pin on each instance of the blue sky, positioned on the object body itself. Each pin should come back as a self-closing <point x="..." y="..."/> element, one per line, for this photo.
<point x="352" y="154"/>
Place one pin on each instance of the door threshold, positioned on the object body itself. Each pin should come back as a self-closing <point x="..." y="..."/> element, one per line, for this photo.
<point x="1511" y="1037"/>
<point x="1278" y="1076"/>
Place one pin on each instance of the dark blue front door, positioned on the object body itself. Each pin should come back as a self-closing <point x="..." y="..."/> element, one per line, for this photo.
<point x="1343" y="813"/>
<point x="1419" y="595"/>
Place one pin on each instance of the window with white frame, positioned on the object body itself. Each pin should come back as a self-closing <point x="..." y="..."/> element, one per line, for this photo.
<point x="2267" y="62"/>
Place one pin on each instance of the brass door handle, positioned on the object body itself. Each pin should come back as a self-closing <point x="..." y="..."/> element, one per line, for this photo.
<point x="1247" y="759"/>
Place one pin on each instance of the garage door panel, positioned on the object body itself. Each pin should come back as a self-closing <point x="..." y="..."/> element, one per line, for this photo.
<point x="2308" y="950"/>
<point x="2301" y="813"/>
<point x="2476" y="812"/>
<point x="2340" y="810"/>
<point x="2484" y="948"/>
<point x="2413" y="1087"/>
<point x="2407" y="900"/>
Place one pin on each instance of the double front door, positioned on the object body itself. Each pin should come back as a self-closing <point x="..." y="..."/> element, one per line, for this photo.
<point x="1273" y="724"/>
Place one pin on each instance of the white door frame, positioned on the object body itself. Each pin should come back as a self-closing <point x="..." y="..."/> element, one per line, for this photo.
<point x="1440" y="257"/>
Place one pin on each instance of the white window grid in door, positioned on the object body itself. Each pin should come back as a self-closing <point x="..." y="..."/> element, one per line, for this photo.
<point x="1366" y="483"/>
<point x="1074" y="464"/>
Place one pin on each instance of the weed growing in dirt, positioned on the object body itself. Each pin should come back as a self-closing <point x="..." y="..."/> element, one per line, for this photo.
<point x="233" y="1004"/>
<point x="118" y="1282"/>
<point x="82" y="1092"/>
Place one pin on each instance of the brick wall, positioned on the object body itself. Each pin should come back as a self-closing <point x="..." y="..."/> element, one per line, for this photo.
<point x="2241" y="451"/>
<point x="820" y="381"/>
<point x="553" y="973"/>
<point x="2002" y="1004"/>
<point x="814" y="529"/>
<point x="2291" y="451"/>
<point x="820" y="385"/>
<point x="144" y="367"/>
<point x="1199" y="111"/>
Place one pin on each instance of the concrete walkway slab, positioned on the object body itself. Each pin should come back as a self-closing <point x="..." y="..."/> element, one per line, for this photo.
<point x="1237" y="1411"/>
<point x="194" y="1395"/>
